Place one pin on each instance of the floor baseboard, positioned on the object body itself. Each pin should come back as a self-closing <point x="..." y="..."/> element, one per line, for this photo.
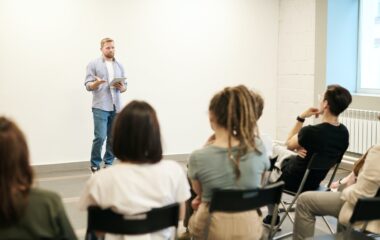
<point x="73" y="166"/>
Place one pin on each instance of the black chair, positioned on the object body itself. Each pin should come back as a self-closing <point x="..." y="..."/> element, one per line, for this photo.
<point x="318" y="162"/>
<point x="232" y="201"/>
<point x="366" y="209"/>
<point x="107" y="221"/>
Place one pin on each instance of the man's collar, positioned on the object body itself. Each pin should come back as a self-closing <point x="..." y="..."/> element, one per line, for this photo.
<point x="103" y="59"/>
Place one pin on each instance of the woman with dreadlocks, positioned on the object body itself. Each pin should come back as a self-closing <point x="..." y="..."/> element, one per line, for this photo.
<point x="235" y="159"/>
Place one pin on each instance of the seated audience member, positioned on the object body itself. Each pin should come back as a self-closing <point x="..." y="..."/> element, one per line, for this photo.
<point x="235" y="159"/>
<point x="142" y="180"/>
<point x="330" y="138"/>
<point x="259" y="108"/>
<point x="340" y="204"/>
<point x="258" y="104"/>
<point x="26" y="212"/>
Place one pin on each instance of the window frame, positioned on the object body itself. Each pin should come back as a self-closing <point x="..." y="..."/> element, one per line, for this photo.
<point x="359" y="88"/>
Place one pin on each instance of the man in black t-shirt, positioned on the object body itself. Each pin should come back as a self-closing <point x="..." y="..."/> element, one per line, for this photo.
<point x="329" y="138"/>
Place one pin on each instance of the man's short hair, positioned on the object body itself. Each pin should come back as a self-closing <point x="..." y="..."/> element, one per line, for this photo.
<point x="104" y="41"/>
<point x="338" y="98"/>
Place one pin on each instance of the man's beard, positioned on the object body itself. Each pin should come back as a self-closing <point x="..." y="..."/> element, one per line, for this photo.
<point x="110" y="55"/>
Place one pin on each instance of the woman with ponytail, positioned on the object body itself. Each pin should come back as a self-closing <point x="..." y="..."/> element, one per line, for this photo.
<point x="235" y="159"/>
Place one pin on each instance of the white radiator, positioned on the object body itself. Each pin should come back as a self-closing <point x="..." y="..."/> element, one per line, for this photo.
<point x="364" y="128"/>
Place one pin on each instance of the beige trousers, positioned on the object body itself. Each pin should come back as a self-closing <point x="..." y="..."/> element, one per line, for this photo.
<point x="220" y="226"/>
<point x="310" y="205"/>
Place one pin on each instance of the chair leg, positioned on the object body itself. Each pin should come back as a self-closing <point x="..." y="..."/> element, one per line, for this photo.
<point x="328" y="224"/>
<point x="274" y="218"/>
<point x="287" y="214"/>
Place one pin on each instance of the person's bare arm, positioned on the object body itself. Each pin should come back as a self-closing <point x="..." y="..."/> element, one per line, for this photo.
<point x="182" y="210"/>
<point x="292" y="140"/>
<point x="197" y="187"/>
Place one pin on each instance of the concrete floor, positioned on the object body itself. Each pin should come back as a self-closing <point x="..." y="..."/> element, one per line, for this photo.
<point x="69" y="184"/>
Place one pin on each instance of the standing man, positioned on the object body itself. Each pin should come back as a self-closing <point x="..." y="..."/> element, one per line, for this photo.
<point x="106" y="100"/>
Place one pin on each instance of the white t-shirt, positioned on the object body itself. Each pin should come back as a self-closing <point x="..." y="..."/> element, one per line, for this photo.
<point x="111" y="76"/>
<point x="130" y="188"/>
<point x="110" y="70"/>
<point x="268" y="143"/>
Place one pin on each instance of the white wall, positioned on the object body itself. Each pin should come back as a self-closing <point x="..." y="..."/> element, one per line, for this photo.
<point x="177" y="53"/>
<point x="296" y="62"/>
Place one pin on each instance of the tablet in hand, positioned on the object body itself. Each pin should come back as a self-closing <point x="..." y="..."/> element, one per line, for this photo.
<point x="117" y="80"/>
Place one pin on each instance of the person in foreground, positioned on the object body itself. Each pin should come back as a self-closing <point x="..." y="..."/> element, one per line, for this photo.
<point x="329" y="138"/>
<point x="142" y="180"/>
<point x="340" y="204"/>
<point x="235" y="159"/>
<point x="26" y="212"/>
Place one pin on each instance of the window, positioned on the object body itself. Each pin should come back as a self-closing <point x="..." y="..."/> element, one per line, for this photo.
<point x="369" y="47"/>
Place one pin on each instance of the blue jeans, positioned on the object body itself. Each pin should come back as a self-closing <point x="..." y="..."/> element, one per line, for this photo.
<point x="102" y="130"/>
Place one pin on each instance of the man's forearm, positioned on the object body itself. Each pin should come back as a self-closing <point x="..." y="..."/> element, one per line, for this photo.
<point x="296" y="128"/>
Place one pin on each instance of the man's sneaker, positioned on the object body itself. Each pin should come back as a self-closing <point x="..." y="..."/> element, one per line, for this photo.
<point x="267" y="221"/>
<point x="94" y="169"/>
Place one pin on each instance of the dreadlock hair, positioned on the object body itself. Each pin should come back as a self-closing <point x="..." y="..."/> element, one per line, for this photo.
<point x="259" y="104"/>
<point x="16" y="174"/>
<point x="234" y="109"/>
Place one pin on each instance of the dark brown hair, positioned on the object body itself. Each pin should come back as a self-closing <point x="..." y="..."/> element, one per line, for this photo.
<point x="136" y="134"/>
<point x="259" y="104"/>
<point x="16" y="175"/>
<point x="338" y="98"/>
<point x="234" y="109"/>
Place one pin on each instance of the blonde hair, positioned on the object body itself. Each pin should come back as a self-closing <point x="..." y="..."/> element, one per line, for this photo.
<point x="234" y="109"/>
<point x="105" y="40"/>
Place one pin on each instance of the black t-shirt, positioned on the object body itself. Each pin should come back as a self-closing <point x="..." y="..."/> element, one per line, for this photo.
<point x="323" y="138"/>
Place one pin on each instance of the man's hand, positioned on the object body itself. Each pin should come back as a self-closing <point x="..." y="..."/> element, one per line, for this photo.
<point x="310" y="112"/>
<point x="98" y="81"/>
<point x="120" y="86"/>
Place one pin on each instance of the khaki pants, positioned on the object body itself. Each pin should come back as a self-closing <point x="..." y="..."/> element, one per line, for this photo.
<point x="244" y="225"/>
<point x="310" y="205"/>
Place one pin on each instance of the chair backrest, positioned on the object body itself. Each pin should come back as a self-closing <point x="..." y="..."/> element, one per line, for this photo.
<point x="233" y="200"/>
<point x="321" y="161"/>
<point x="366" y="209"/>
<point x="105" y="220"/>
<point x="320" y="164"/>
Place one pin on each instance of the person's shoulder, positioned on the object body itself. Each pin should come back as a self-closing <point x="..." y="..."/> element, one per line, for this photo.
<point x="310" y="129"/>
<point x="206" y="150"/>
<point x="118" y="62"/>
<point x="259" y="142"/>
<point x="343" y="127"/>
<point x="43" y="195"/>
<point x="377" y="146"/>
<point x="167" y="163"/>
<point x="95" y="61"/>
<point x="171" y="168"/>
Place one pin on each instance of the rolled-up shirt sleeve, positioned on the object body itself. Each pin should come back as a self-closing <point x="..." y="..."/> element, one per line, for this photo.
<point x="90" y="76"/>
